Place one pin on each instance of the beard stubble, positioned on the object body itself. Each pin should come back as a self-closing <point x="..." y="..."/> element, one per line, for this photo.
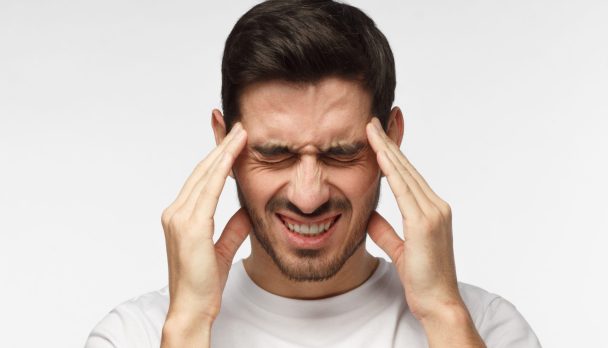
<point x="312" y="265"/>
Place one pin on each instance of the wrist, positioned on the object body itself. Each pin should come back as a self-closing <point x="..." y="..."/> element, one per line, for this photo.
<point x="184" y="330"/>
<point x="177" y="320"/>
<point x="451" y="325"/>
<point x="446" y="314"/>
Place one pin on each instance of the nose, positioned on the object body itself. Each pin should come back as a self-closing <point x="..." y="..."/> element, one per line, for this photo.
<point x="307" y="188"/>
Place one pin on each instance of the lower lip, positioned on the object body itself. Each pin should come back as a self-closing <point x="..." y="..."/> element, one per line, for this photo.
<point x="300" y="241"/>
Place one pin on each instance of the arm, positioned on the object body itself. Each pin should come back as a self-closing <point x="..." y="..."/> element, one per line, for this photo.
<point x="198" y="268"/>
<point x="424" y="258"/>
<point x="451" y="326"/>
<point x="186" y="332"/>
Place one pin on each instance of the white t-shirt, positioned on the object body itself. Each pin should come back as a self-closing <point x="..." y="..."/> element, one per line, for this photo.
<point x="375" y="314"/>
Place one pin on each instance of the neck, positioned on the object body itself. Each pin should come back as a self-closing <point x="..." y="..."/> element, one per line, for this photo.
<point x="264" y="272"/>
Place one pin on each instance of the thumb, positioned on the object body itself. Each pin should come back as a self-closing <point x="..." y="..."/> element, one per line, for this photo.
<point x="383" y="234"/>
<point x="236" y="231"/>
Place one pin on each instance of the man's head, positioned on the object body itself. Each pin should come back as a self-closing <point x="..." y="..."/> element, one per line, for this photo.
<point x="304" y="78"/>
<point x="304" y="41"/>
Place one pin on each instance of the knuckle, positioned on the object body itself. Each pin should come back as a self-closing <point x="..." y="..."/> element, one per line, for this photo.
<point x="417" y="221"/>
<point x="426" y="225"/>
<point x="177" y="221"/>
<point x="422" y="223"/>
<point x="444" y="211"/>
<point x="447" y="207"/>
<point x="165" y="217"/>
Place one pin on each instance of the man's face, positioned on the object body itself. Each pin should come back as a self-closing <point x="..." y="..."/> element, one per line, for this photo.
<point x="307" y="177"/>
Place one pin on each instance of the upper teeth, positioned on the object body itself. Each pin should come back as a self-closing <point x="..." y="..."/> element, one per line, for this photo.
<point x="309" y="229"/>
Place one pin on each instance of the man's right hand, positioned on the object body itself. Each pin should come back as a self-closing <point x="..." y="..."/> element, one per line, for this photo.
<point x="198" y="269"/>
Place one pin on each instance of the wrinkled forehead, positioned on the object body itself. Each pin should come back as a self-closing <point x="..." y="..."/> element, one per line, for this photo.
<point x="327" y="113"/>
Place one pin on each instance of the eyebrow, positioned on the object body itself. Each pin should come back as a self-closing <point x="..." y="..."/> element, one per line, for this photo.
<point x="350" y="149"/>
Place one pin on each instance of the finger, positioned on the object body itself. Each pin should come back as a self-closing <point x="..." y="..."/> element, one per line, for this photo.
<point x="408" y="204"/>
<point x="424" y="186"/>
<point x="236" y="231"/>
<point x="422" y="199"/>
<point x="410" y="210"/>
<point x="384" y="235"/>
<point x="374" y="137"/>
<point x="202" y="167"/>
<point x="384" y="143"/>
<point x="207" y="192"/>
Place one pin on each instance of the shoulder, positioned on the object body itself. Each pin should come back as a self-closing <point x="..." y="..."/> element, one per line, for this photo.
<point x="476" y="299"/>
<point x="136" y="322"/>
<point x="497" y="320"/>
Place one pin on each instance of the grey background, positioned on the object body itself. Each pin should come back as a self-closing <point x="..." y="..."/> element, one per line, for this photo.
<point x="105" y="110"/>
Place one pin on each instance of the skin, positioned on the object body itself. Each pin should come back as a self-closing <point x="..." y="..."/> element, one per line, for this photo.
<point x="309" y="119"/>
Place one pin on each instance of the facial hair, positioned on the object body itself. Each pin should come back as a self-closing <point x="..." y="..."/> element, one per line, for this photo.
<point x="313" y="265"/>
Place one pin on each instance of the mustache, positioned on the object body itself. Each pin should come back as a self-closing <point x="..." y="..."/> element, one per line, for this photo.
<point x="333" y="204"/>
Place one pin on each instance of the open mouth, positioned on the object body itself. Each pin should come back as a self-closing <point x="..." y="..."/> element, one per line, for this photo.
<point x="309" y="230"/>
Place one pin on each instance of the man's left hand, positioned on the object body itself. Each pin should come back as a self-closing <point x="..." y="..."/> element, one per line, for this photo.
<point x="424" y="258"/>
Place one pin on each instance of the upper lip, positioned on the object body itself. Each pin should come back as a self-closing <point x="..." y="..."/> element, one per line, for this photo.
<point x="307" y="221"/>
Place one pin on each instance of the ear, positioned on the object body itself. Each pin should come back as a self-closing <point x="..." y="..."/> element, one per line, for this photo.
<point x="218" y="125"/>
<point x="219" y="129"/>
<point x="394" y="128"/>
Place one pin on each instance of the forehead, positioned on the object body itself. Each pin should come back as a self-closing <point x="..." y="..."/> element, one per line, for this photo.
<point x="330" y="111"/>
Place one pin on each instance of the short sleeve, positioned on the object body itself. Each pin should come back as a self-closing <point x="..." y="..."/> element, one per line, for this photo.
<point x="503" y="326"/>
<point x="121" y="328"/>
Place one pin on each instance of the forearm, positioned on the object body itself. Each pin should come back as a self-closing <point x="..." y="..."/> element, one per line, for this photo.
<point x="452" y="327"/>
<point x="181" y="332"/>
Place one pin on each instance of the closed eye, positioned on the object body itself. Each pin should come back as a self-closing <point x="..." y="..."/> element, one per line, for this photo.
<point x="274" y="159"/>
<point x="271" y="153"/>
<point x="342" y="159"/>
<point x="337" y="155"/>
<point x="347" y="154"/>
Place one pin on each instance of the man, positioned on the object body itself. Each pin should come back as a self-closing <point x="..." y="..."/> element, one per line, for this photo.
<point x="308" y="131"/>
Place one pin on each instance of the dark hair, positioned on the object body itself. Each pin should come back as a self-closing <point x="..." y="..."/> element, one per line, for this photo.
<point x="304" y="41"/>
